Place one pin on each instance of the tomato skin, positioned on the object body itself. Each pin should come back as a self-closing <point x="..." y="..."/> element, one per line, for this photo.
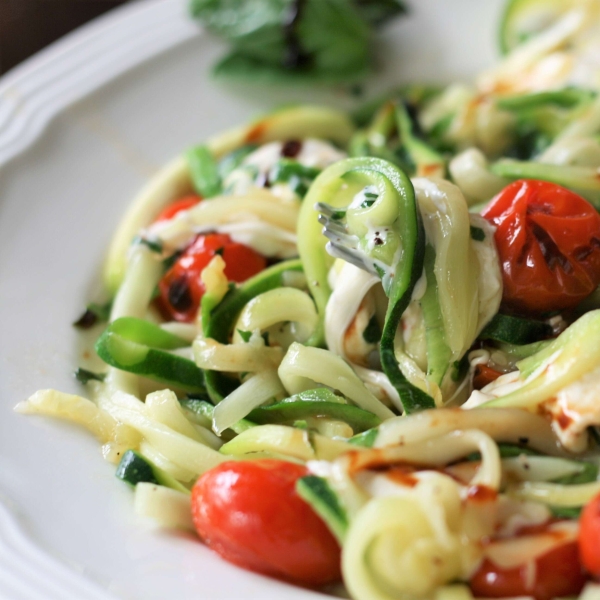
<point x="589" y="536"/>
<point x="181" y="288"/>
<point x="176" y="207"/>
<point x="548" y="240"/>
<point x="484" y="375"/>
<point x="250" y="513"/>
<point x="558" y="573"/>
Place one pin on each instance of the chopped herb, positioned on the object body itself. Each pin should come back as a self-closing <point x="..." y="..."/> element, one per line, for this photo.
<point x="94" y="313"/>
<point x="370" y="198"/>
<point x="154" y="245"/>
<point x="204" y="171"/>
<point x="296" y="175"/>
<point x="338" y="215"/>
<point x="286" y="168"/>
<point x="245" y="335"/>
<point x="380" y="271"/>
<point x="83" y="376"/>
<point x="265" y="337"/>
<point x="234" y="159"/>
<point x="477" y="234"/>
<point x="372" y="333"/>
<point x="87" y="320"/>
<point x="459" y="368"/>
<point x="102" y="311"/>
<point x="365" y="439"/>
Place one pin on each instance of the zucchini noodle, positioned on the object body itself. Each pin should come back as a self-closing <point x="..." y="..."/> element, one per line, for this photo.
<point x="446" y="221"/>
<point x="257" y="390"/>
<point x="555" y="494"/>
<point x="506" y="425"/>
<point x="396" y="548"/>
<point x="276" y="306"/>
<point x="250" y="357"/>
<point x="303" y="367"/>
<point x="470" y="172"/>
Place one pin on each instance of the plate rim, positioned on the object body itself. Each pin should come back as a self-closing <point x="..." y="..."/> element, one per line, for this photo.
<point x="32" y="95"/>
<point x="37" y="90"/>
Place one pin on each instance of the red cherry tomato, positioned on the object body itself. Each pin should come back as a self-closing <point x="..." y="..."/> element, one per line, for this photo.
<point x="484" y="375"/>
<point x="250" y="513"/>
<point x="176" y="207"/>
<point x="589" y="536"/>
<point x="548" y="239"/>
<point x="181" y="288"/>
<point x="557" y="573"/>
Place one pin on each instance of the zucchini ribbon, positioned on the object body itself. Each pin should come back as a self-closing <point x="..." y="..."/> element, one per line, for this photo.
<point x="378" y="201"/>
<point x="140" y="347"/>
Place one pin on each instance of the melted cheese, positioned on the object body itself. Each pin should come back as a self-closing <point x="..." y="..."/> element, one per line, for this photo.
<point x="574" y="409"/>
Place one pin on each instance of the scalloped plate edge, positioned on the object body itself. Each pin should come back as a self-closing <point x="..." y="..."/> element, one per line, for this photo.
<point x="33" y="93"/>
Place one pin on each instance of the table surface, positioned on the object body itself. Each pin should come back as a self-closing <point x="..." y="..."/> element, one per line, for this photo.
<point x="26" y="26"/>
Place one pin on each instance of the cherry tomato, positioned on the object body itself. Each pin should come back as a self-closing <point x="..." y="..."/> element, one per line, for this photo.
<point x="484" y="375"/>
<point x="557" y="573"/>
<point x="181" y="288"/>
<point x="548" y="239"/>
<point x="589" y="536"/>
<point x="176" y="207"/>
<point x="250" y="513"/>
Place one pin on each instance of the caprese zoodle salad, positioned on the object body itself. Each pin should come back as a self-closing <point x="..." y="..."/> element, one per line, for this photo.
<point x="366" y="348"/>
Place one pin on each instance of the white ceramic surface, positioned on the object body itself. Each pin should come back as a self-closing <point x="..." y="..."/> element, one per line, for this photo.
<point x="139" y="81"/>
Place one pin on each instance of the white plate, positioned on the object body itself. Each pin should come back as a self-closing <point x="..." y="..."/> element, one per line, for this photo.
<point x="139" y="77"/>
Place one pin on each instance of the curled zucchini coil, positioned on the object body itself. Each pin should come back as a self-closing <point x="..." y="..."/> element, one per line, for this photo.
<point x="377" y="200"/>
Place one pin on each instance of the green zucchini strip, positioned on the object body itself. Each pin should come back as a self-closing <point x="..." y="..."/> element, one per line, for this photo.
<point x="397" y="257"/>
<point x="565" y="98"/>
<point x="223" y="318"/>
<point x="135" y="468"/>
<point x="515" y="330"/>
<point x="439" y="354"/>
<point x="290" y="410"/>
<point x="569" y="357"/>
<point x="317" y="492"/>
<point x="140" y="347"/>
<point x="391" y="136"/>
<point x="582" y="180"/>
<point x="427" y="162"/>
<point x="204" y="171"/>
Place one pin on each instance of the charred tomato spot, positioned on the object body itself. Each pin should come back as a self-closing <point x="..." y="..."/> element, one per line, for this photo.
<point x="291" y="148"/>
<point x="180" y="295"/>
<point x="583" y="252"/>
<point x="552" y="255"/>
